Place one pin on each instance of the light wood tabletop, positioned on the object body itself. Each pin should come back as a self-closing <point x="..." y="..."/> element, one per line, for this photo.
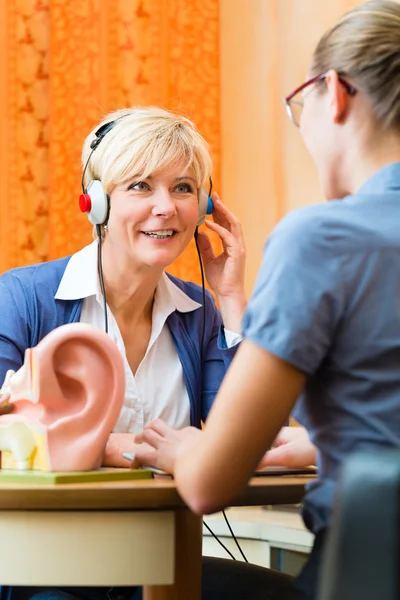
<point x="146" y="494"/>
<point x="115" y="533"/>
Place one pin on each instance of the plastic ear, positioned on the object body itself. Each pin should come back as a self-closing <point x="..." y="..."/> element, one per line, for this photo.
<point x="82" y="393"/>
<point x="95" y="203"/>
<point x="78" y="376"/>
<point x="205" y="206"/>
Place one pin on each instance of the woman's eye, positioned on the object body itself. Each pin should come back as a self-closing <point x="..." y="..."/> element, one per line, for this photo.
<point x="184" y="188"/>
<point x="139" y="186"/>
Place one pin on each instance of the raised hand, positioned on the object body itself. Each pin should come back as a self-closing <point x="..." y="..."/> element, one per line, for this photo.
<point x="225" y="271"/>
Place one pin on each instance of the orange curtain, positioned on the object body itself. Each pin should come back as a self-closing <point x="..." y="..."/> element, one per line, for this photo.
<point x="62" y="66"/>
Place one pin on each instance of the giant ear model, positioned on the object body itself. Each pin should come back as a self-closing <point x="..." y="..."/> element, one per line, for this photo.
<point x="68" y="396"/>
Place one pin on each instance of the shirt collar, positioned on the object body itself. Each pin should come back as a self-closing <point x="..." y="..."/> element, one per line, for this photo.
<point x="80" y="277"/>
<point x="386" y="179"/>
<point x="80" y="281"/>
<point x="169" y="293"/>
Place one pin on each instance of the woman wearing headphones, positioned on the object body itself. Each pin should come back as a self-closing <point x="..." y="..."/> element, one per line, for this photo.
<point x="151" y="166"/>
<point x="322" y="329"/>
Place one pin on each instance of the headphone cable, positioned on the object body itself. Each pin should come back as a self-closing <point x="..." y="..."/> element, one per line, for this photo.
<point x="218" y="540"/>
<point x="201" y="365"/>
<point x="84" y="190"/>
<point x="203" y="290"/>
<point x="234" y="537"/>
<point x="100" y="270"/>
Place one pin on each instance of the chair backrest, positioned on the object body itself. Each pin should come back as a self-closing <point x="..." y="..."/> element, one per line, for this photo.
<point x="361" y="560"/>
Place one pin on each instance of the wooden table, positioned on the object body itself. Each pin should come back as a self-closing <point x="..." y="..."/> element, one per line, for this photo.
<point x="114" y="534"/>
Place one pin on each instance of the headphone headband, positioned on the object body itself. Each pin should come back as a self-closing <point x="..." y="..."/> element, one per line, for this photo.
<point x="102" y="131"/>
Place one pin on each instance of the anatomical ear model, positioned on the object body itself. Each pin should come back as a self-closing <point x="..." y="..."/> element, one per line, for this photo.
<point x="67" y="398"/>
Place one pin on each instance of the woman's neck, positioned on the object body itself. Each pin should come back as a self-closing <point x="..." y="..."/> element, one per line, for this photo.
<point x="377" y="150"/>
<point x="129" y="289"/>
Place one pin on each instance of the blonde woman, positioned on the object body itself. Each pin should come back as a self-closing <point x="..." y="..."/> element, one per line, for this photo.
<point x="323" y="323"/>
<point x="151" y="167"/>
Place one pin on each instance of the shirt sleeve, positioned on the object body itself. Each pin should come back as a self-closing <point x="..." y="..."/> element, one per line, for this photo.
<point x="231" y="338"/>
<point x="299" y="296"/>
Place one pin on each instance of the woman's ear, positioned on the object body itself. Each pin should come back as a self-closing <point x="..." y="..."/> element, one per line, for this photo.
<point x="338" y="97"/>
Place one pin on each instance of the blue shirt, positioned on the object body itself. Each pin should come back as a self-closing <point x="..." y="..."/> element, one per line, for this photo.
<point x="29" y="311"/>
<point x="327" y="301"/>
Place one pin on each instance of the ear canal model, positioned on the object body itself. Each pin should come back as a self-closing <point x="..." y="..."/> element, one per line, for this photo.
<point x="68" y="396"/>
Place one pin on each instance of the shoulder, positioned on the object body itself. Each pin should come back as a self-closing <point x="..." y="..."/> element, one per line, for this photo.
<point x="307" y="251"/>
<point x="42" y="278"/>
<point x="27" y="295"/>
<point x="320" y="238"/>
<point x="315" y="225"/>
<point x="333" y="228"/>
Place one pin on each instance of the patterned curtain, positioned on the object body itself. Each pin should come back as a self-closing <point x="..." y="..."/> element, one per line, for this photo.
<point x="62" y="66"/>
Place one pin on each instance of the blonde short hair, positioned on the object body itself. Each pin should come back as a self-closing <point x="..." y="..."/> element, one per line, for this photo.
<point x="365" y="45"/>
<point x="142" y="141"/>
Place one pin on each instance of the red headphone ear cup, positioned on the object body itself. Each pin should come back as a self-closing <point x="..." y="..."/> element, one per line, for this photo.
<point x="85" y="203"/>
<point x="95" y="203"/>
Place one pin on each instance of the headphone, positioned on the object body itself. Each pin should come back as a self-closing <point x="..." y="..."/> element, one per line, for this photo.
<point x="96" y="203"/>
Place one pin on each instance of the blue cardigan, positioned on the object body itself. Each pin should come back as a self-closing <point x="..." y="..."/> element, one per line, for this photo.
<point x="28" y="312"/>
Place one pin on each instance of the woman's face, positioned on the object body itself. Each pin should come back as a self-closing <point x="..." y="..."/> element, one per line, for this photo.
<point x="152" y="220"/>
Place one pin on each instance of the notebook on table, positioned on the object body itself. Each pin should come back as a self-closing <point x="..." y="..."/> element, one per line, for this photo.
<point x="274" y="471"/>
<point x="51" y="478"/>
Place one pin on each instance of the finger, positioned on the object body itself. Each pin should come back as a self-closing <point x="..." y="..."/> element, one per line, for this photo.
<point x="291" y="434"/>
<point x="228" y="240"/>
<point x="205" y="247"/>
<point x="295" y="455"/>
<point x="283" y="437"/>
<point x="224" y="217"/>
<point x="145" y="457"/>
<point x="160" y="427"/>
<point x="148" y="436"/>
<point x="282" y="456"/>
<point x="220" y="212"/>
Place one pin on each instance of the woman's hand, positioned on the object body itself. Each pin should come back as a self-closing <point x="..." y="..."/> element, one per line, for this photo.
<point x="159" y="445"/>
<point x="116" y="445"/>
<point x="225" y="272"/>
<point x="291" y="448"/>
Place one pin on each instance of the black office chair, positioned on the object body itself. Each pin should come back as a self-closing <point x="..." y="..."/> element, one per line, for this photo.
<point x="361" y="559"/>
<point x="225" y="579"/>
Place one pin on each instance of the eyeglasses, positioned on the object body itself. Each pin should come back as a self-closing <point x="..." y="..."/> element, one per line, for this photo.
<point x="294" y="105"/>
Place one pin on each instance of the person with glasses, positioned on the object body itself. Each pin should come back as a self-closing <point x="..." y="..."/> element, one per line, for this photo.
<point x="322" y="329"/>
